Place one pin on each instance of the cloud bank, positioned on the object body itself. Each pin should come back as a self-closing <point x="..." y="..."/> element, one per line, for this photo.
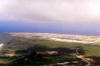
<point x="50" y="10"/>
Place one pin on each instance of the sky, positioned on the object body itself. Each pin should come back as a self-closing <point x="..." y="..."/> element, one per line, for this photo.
<point x="67" y="15"/>
<point x="50" y="10"/>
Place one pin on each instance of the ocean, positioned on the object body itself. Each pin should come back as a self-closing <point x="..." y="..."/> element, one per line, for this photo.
<point x="87" y="28"/>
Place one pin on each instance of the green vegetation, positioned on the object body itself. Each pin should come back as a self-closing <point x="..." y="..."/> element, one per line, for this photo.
<point x="24" y="51"/>
<point x="17" y="44"/>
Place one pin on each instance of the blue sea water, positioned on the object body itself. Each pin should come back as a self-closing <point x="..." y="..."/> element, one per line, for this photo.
<point x="52" y="27"/>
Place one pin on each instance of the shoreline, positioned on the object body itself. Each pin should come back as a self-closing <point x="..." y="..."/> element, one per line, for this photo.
<point x="60" y="37"/>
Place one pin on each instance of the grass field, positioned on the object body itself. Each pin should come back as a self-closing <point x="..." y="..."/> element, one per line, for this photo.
<point x="91" y="50"/>
<point x="24" y="58"/>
